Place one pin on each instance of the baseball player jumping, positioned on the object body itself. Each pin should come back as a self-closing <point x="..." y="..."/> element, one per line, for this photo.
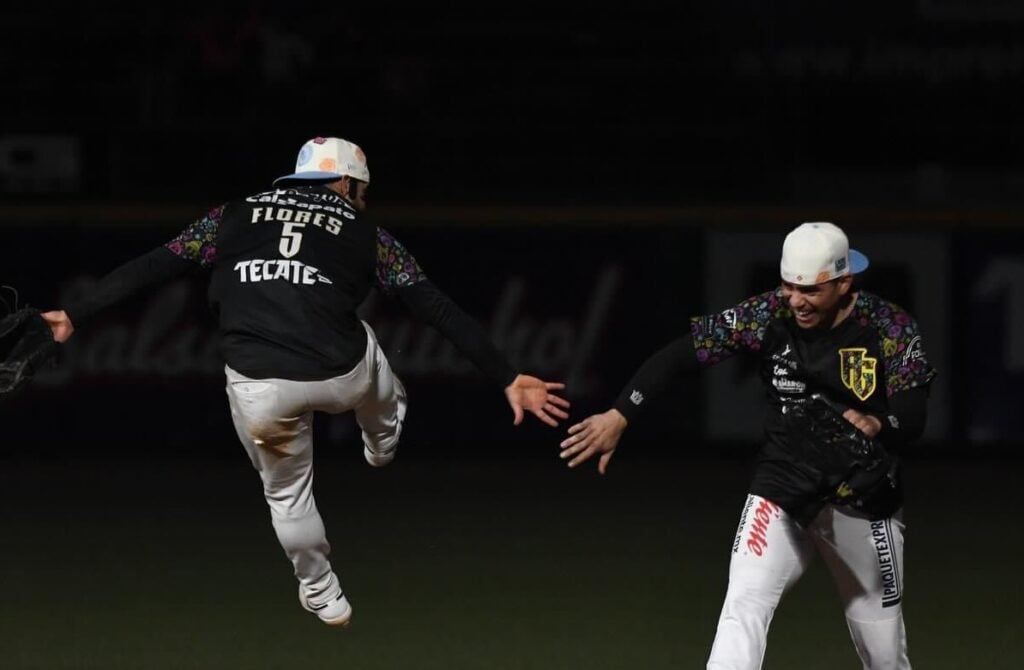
<point x="288" y="269"/>
<point x="826" y="349"/>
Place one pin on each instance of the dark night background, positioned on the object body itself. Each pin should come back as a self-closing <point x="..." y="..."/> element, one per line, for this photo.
<point x="580" y="180"/>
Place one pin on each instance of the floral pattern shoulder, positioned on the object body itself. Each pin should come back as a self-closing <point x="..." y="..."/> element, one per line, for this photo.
<point x="396" y="267"/>
<point x="906" y="365"/>
<point x="737" y="329"/>
<point x="198" y="242"/>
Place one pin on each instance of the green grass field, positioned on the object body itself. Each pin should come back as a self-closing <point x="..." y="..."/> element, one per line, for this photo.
<point x="463" y="562"/>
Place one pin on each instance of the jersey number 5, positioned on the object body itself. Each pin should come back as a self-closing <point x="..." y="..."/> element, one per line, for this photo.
<point x="291" y="238"/>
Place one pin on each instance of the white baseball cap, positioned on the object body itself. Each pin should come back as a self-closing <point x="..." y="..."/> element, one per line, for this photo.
<point x="817" y="252"/>
<point x="328" y="159"/>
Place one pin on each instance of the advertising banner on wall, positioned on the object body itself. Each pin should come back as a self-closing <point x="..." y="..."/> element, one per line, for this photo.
<point x="988" y="321"/>
<point x="569" y="300"/>
<point x="583" y="304"/>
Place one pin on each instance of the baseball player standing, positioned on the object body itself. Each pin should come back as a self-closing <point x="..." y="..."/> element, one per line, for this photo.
<point x="818" y="339"/>
<point x="288" y="269"/>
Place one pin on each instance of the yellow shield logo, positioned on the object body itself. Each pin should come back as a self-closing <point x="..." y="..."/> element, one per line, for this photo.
<point x="857" y="370"/>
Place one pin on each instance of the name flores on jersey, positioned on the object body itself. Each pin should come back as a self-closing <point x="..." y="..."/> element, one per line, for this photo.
<point x="295" y="272"/>
<point x="299" y="217"/>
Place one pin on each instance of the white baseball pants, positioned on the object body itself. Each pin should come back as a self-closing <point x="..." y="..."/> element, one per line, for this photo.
<point x="771" y="552"/>
<point x="274" y="421"/>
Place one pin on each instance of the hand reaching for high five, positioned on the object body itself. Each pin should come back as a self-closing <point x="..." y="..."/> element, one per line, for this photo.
<point x="597" y="434"/>
<point x="534" y="395"/>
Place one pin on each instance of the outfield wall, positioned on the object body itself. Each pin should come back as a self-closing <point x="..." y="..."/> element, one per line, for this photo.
<point x="577" y="294"/>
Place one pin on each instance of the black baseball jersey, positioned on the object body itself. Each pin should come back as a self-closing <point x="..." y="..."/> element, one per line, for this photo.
<point x="873" y="354"/>
<point x="289" y="267"/>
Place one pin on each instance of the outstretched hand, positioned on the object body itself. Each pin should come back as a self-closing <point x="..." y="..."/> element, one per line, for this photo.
<point x="534" y="395"/>
<point x="60" y="324"/>
<point x="597" y="434"/>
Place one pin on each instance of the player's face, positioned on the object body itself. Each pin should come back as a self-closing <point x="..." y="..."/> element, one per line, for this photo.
<point x="818" y="305"/>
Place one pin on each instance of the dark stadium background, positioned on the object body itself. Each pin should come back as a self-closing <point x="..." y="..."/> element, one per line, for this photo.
<point x="582" y="181"/>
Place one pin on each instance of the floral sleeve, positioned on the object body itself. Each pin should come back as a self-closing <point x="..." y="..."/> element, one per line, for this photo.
<point x="198" y="242"/>
<point x="906" y="365"/>
<point x="396" y="267"/>
<point x="740" y="328"/>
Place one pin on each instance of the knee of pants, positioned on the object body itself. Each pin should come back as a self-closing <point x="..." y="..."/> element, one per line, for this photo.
<point x="881" y="645"/>
<point x="870" y="608"/>
<point x="288" y="508"/>
<point x="757" y="594"/>
<point x="382" y="423"/>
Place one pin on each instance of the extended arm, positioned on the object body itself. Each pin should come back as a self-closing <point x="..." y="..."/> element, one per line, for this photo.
<point x="523" y="392"/>
<point x="194" y="247"/>
<point x="149" y="269"/>
<point x="600" y="433"/>
<point x="429" y="304"/>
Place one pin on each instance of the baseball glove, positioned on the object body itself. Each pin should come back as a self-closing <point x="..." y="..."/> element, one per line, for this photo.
<point x="858" y="470"/>
<point x="26" y="344"/>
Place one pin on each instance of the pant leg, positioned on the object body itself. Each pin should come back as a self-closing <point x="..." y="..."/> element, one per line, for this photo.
<point x="275" y="426"/>
<point x="381" y="411"/>
<point x="769" y="555"/>
<point x="866" y="560"/>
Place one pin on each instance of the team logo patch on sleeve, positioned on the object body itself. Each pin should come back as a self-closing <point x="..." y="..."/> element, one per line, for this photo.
<point x="857" y="370"/>
<point x="914" y="351"/>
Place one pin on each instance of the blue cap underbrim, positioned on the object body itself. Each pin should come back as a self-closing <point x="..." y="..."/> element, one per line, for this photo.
<point x="308" y="176"/>
<point x="858" y="261"/>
